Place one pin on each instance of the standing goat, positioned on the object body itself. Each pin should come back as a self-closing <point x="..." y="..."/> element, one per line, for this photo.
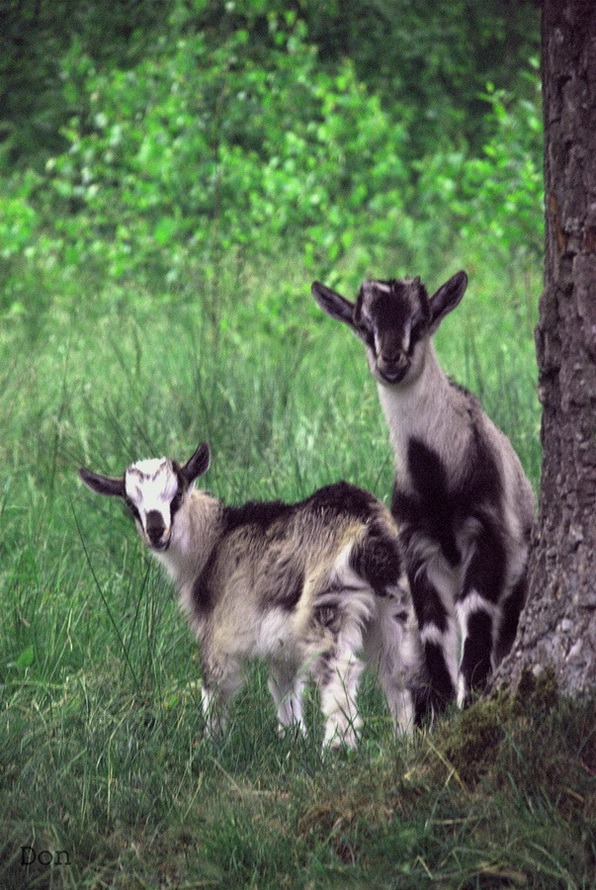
<point x="302" y="586"/>
<point x="461" y="499"/>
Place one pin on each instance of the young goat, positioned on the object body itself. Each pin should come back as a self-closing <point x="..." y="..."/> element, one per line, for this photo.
<point x="302" y="586"/>
<point x="461" y="499"/>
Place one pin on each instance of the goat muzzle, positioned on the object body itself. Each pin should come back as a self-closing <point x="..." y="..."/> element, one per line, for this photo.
<point x="156" y="530"/>
<point x="393" y="370"/>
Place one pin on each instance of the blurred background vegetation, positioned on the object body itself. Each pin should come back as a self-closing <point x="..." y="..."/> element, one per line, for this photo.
<point x="147" y="145"/>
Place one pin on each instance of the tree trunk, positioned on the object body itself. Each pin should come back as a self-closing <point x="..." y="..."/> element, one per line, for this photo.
<point x="558" y="625"/>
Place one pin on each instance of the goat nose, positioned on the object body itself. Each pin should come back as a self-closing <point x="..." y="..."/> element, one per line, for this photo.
<point x="393" y="369"/>
<point x="155" y="526"/>
<point x="394" y="359"/>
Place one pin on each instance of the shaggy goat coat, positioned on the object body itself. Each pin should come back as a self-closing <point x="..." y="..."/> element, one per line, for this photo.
<point x="461" y="499"/>
<point x="304" y="587"/>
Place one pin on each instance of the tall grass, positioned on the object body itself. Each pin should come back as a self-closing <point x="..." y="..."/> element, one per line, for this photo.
<point x="102" y="749"/>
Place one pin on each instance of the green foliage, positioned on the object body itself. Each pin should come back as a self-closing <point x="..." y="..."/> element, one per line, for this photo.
<point x="496" y="199"/>
<point x="432" y="60"/>
<point x="18" y="221"/>
<point x="34" y="36"/>
<point x="199" y="151"/>
<point x="428" y="62"/>
<point x="234" y="133"/>
<point x="207" y="153"/>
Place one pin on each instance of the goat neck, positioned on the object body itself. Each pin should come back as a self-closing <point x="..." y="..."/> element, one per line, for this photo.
<point x="424" y="408"/>
<point x="195" y="534"/>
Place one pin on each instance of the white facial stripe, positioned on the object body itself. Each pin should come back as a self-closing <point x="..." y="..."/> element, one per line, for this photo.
<point x="380" y="285"/>
<point x="407" y="335"/>
<point x="366" y="317"/>
<point x="377" y="340"/>
<point x="151" y="485"/>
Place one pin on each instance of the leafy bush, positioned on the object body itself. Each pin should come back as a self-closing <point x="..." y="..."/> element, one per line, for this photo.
<point x="496" y="198"/>
<point x="216" y="153"/>
<point x="202" y="150"/>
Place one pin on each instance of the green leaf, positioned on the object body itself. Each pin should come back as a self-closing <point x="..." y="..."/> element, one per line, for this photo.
<point x="26" y="658"/>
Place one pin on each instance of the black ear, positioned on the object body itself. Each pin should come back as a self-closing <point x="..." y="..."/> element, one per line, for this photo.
<point x="333" y="304"/>
<point x="102" y="484"/>
<point x="446" y="298"/>
<point x="197" y="464"/>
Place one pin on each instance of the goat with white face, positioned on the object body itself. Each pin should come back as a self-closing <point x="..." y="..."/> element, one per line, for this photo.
<point x="304" y="587"/>
<point x="461" y="499"/>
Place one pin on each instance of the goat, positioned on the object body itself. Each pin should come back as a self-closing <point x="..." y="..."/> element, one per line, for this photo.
<point x="461" y="499"/>
<point x="302" y="586"/>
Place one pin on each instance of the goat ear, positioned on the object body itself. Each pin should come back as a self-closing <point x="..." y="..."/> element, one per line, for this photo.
<point x="102" y="484"/>
<point x="197" y="464"/>
<point x="446" y="298"/>
<point x="333" y="303"/>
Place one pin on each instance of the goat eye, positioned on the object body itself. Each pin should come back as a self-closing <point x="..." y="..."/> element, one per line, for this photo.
<point x="366" y="332"/>
<point x="418" y="328"/>
<point x="132" y="509"/>
<point x="175" y="503"/>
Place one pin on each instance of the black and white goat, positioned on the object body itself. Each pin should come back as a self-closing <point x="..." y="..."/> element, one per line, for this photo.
<point x="302" y="586"/>
<point x="461" y="499"/>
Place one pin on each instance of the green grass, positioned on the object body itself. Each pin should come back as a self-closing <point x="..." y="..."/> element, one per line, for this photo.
<point x="102" y="752"/>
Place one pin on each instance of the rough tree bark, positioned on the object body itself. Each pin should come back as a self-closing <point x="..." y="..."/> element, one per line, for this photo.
<point x="558" y="626"/>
